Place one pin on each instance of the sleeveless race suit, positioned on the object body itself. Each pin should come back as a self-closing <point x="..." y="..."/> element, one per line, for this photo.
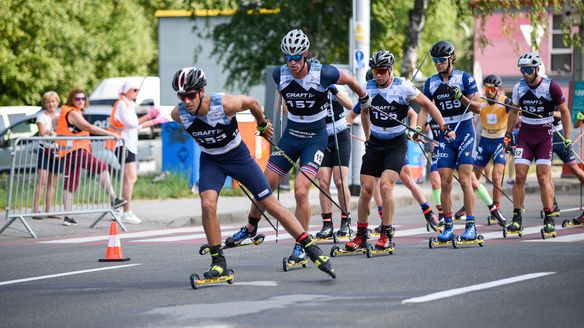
<point x="343" y="136"/>
<point x="461" y="150"/>
<point x="387" y="145"/>
<point x="305" y="137"/>
<point x="534" y="140"/>
<point x="223" y="153"/>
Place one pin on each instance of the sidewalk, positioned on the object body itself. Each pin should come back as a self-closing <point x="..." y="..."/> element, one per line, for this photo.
<point x="163" y="213"/>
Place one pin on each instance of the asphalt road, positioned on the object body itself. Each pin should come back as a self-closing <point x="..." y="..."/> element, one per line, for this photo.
<point x="519" y="282"/>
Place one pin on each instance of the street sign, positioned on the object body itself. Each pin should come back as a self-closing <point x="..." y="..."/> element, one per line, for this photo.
<point x="576" y="98"/>
<point x="359" y="57"/>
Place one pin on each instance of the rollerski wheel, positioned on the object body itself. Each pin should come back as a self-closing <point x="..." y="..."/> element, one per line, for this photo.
<point x="288" y="264"/>
<point x="346" y="251"/>
<point x="545" y="235"/>
<point x="378" y="251"/>
<point x="433" y="242"/>
<point x="457" y="241"/>
<point x="196" y="281"/>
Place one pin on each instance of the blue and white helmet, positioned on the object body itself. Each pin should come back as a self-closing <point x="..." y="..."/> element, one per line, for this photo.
<point x="530" y="59"/>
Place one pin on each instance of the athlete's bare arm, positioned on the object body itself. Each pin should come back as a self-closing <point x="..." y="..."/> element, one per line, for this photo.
<point x="175" y="116"/>
<point x="347" y="79"/>
<point x="563" y="109"/>
<point x="475" y="101"/>
<point x="233" y="104"/>
<point x="413" y="117"/>
<point x="366" y="122"/>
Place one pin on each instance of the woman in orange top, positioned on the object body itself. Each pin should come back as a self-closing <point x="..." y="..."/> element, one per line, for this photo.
<point x="76" y="154"/>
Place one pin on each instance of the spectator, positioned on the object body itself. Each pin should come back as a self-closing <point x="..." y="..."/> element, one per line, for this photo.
<point x="48" y="165"/>
<point x="124" y="123"/>
<point x="77" y="155"/>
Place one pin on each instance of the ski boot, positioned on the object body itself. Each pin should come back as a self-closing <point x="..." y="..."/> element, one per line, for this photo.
<point x="376" y="231"/>
<point x="469" y="237"/>
<point x="345" y="231"/>
<point x="496" y="217"/>
<point x="322" y="262"/>
<point x="549" y="227"/>
<point x="515" y="228"/>
<point x="326" y="233"/>
<point x="384" y="244"/>
<point x="445" y="238"/>
<point x="241" y="238"/>
<point x="357" y="245"/>
<point x="432" y="222"/>
<point x="296" y="259"/>
<point x="217" y="272"/>
<point x="577" y="221"/>
<point x="460" y="214"/>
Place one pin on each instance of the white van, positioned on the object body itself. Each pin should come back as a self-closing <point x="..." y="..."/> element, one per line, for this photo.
<point x="12" y="114"/>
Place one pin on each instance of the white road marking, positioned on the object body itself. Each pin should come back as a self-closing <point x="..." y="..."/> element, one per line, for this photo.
<point x="464" y="290"/>
<point x="224" y="232"/>
<point x="266" y="283"/>
<point x="11" y="282"/>
<point x="562" y="210"/>
<point x="499" y="234"/>
<point x="560" y="239"/>
<point x="125" y="235"/>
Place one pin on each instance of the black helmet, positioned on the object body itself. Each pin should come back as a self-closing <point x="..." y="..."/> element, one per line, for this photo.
<point x="493" y="80"/>
<point x="442" y="49"/>
<point x="369" y="75"/>
<point x="382" y="58"/>
<point x="189" y="78"/>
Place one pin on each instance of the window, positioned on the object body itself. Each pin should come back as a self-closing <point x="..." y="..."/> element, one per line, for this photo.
<point x="561" y="55"/>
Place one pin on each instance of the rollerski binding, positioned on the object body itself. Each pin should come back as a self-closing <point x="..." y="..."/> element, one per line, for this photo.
<point x="345" y="230"/>
<point x="296" y="259"/>
<point x="460" y="214"/>
<point x="549" y="227"/>
<point x="445" y="238"/>
<point x="357" y="245"/>
<point x="384" y="245"/>
<point x="577" y="221"/>
<point x="469" y="237"/>
<point x="496" y="216"/>
<point x="217" y="273"/>
<point x="241" y="238"/>
<point x="432" y="222"/>
<point x="515" y="228"/>
<point x="326" y="233"/>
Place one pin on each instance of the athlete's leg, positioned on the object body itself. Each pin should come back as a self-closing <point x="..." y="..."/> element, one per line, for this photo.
<point x="210" y="223"/>
<point x="368" y="184"/>
<point x="301" y="190"/>
<point x="519" y="186"/>
<point x="497" y="182"/>
<point x="465" y="172"/>
<point x="544" y="176"/>
<point x="577" y="171"/>
<point x="324" y="181"/>
<point x="386" y="185"/>
<point x="446" y="186"/>
<point x="254" y="213"/>
<point x="406" y="177"/>
<point x="337" y="178"/>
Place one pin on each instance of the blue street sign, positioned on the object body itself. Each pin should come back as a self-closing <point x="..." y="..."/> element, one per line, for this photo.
<point x="359" y="55"/>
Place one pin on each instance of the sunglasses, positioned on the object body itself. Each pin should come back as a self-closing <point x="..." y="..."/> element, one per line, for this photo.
<point x="380" y="71"/>
<point x="135" y="90"/>
<point x="439" y="60"/>
<point x="79" y="98"/>
<point x="527" y="70"/>
<point x="184" y="96"/>
<point x="295" y="58"/>
<point x="490" y="89"/>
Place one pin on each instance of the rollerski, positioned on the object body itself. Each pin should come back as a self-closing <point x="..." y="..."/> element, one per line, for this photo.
<point x="549" y="228"/>
<point x="357" y="245"/>
<point x="241" y="238"/>
<point x="326" y="233"/>
<point x="577" y="221"/>
<point x="445" y="238"/>
<point x="384" y="245"/>
<point x="515" y="228"/>
<point x="469" y="237"/>
<point x="460" y="214"/>
<point x="217" y="273"/>
<point x="296" y="259"/>
<point x="432" y="222"/>
<point x="345" y="230"/>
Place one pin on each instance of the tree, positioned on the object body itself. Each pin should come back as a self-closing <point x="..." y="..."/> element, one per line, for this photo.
<point x="58" y="46"/>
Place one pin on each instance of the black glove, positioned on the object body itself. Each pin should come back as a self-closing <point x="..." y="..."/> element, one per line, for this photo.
<point x="455" y="92"/>
<point x="333" y="89"/>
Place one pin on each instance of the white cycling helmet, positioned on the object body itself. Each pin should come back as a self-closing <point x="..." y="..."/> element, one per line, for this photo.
<point x="530" y="59"/>
<point x="295" y="43"/>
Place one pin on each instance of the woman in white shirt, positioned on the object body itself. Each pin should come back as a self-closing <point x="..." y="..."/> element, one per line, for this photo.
<point x="48" y="165"/>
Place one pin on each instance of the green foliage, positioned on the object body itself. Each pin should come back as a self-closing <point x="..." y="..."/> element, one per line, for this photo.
<point x="50" y="45"/>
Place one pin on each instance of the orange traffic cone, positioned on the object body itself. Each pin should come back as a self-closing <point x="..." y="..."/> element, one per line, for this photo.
<point x="114" y="247"/>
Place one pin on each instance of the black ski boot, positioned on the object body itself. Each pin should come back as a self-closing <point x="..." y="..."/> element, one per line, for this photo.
<point x="345" y="229"/>
<point x="218" y="266"/>
<point x="315" y="254"/>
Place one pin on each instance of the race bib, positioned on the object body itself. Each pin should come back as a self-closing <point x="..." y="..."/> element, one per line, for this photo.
<point x="492" y="118"/>
<point x="518" y="153"/>
<point x="318" y="156"/>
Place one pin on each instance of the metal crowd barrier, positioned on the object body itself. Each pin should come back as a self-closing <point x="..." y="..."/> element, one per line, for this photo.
<point x="35" y="159"/>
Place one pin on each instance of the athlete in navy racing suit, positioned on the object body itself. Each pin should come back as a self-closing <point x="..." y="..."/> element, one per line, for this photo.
<point x="211" y="121"/>
<point x="303" y="87"/>
<point x="455" y="94"/>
